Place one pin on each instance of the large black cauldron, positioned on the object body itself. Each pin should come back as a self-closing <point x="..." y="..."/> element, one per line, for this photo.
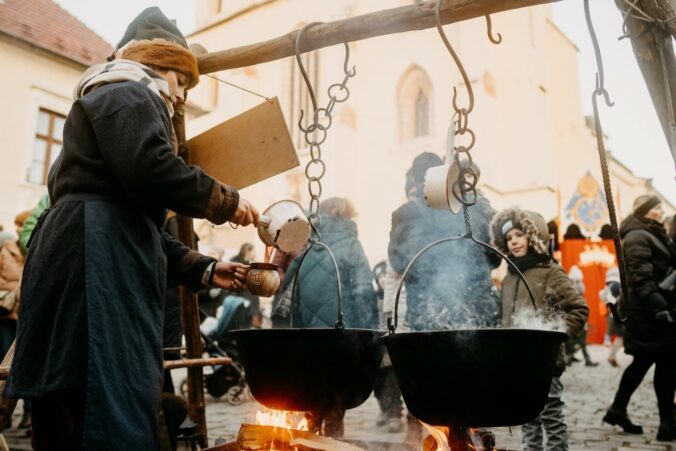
<point x="311" y="369"/>
<point x="475" y="377"/>
<point x="481" y="377"/>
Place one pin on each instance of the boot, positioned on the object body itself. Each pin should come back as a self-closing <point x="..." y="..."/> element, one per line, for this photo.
<point x="666" y="432"/>
<point x="590" y="363"/>
<point x="617" y="418"/>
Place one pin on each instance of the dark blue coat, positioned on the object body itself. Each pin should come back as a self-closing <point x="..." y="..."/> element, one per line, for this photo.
<point x="317" y="292"/>
<point x="450" y="285"/>
<point x="94" y="281"/>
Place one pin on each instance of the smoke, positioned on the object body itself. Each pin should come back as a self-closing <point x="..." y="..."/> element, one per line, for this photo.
<point x="528" y="318"/>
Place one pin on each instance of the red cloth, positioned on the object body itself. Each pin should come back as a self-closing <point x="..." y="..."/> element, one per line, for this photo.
<point x="594" y="272"/>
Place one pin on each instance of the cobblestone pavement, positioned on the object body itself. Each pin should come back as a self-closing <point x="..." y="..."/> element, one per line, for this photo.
<point x="588" y="392"/>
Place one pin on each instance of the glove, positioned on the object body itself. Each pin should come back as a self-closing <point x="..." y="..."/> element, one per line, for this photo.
<point x="664" y="317"/>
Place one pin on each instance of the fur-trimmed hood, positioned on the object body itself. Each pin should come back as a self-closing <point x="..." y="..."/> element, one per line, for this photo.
<point x="532" y="224"/>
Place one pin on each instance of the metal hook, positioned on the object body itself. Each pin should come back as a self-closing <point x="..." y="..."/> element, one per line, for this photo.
<point x="489" y="24"/>
<point x="458" y="63"/>
<point x="302" y="67"/>
<point x="348" y="73"/>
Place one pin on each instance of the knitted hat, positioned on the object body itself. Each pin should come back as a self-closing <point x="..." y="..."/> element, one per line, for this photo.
<point x="421" y="164"/>
<point x="154" y="40"/>
<point x="530" y="222"/>
<point x="613" y="275"/>
<point x="644" y="203"/>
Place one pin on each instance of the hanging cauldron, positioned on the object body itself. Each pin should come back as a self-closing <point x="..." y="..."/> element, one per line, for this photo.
<point x="475" y="377"/>
<point x="311" y="369"/>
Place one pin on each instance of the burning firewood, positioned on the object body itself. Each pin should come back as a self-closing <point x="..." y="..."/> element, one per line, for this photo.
<point x="258" y="437"/>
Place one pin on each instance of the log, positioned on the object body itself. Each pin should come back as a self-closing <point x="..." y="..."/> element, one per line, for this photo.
<point x="646" y="41"/>
<point x="7" y="406"/>
<point x="193" y="363"/>
<point x="189" y="308"/>
<point x="418" y="16"/>
<point x="259" y="437"/>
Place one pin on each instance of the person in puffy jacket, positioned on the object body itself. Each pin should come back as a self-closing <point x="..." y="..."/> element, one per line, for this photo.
<point x="650" y="332"/>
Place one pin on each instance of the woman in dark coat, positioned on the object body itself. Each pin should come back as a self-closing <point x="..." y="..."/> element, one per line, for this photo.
<point x="89" y="342"/>
<point x="650" y="333"/>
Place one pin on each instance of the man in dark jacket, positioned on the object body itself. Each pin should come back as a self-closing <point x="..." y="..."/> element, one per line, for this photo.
<point x="650" y="333"/>
<point x="89" y="341"/>
<point x="450" y="285"/>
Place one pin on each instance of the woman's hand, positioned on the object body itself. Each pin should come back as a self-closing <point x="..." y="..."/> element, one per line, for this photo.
<point x="245" y="214"/>
<point x="230" y="276"/>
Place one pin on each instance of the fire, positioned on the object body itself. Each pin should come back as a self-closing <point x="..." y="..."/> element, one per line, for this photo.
<point x="282" y="419"/>
<point x="443" y="438"/>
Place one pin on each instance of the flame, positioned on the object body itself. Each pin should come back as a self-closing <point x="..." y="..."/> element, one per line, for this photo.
<point x="444" y="436"/>
<point x="440" y="436"/>
<point x="282" y="419"/>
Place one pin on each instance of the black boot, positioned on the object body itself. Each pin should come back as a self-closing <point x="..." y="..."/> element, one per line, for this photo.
<point x="617" y="418"/>
<point x="666" y="433"/>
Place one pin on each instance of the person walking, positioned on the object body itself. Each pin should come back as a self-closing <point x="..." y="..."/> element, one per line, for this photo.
<point x="89" y="336"/>
<point x="611" y="295"/>
<point x="650" y="331"/>
<point x="524" y="237"/>
<point x="316" y="301"/>
<point x="576" y="276"/>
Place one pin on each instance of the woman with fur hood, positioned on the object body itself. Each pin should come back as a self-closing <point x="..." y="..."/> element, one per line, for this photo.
<point x="89" y="338"/>
<point x="524" y="237"/>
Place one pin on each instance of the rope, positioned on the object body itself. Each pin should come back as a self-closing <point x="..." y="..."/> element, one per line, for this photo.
<point x="240" y="87"/>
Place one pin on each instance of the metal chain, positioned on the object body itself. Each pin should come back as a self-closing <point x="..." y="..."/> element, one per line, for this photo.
<point x="601" y="91"/>
<point x="317" y="129"/>
<point x="465" y="187"/>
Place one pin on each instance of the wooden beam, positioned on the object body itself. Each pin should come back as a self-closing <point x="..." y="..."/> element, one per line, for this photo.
<point x="418" y="16"/>
<point x="646" y="41"/>
<point x="191" y="363"/>
<point x="189" y="307"/>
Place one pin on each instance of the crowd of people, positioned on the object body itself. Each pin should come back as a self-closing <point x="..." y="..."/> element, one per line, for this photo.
<point x="90" y="337"/>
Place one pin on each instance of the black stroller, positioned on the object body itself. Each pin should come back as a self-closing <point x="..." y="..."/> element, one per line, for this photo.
<point x="225" y="380"/>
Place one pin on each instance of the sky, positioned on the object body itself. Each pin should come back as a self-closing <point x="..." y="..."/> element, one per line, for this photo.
<point x="634" y="134"/>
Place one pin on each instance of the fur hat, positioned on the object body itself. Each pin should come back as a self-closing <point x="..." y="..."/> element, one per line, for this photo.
<point x="644" y="203"/>
<point x="531" y="223"/>
<point x="154" y="40"/>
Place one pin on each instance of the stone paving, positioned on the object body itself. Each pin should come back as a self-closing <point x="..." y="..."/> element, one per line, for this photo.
<point x="588" y="392"/>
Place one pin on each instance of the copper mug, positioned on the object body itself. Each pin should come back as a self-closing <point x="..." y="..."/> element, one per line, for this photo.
<point x="263" y="279"/>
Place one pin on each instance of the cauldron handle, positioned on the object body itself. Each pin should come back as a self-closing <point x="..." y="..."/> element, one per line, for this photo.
<point x="294" y="292"/>
<point x="393" y="326"/>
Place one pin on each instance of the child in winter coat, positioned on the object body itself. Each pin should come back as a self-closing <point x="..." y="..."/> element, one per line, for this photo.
<point x="523" y="235"/>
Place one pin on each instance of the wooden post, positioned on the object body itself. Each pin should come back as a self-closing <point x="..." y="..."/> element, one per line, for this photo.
<point x="7" y="406"/>
<point x="418" y="16"/>
<point x="189" y="308"/>
<point x="646" y="40"/>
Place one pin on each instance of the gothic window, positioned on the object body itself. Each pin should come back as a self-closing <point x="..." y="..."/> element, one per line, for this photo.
<point x="414" y="104"/>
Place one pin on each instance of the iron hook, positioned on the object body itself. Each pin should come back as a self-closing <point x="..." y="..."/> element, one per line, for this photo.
<point x="302" y="67"/>
<point x="465" y="78"/>
<point x="489" y="24"/>
<point x="348" y="73"/>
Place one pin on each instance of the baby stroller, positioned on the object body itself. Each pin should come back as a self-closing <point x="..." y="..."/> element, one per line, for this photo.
<point x="224" y="380"/>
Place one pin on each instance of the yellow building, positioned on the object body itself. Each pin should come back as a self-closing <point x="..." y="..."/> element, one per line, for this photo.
<point x="43" y="50"/>
<point x="534" y="146"/>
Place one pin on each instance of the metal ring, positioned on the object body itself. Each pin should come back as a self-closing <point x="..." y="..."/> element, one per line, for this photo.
<point x="465" y="149"/>
<point x="341" y="89"/>
<point x="315" y="194"/>
<point x="327" y="115"/>
<point x="316" y="142"/>
<point x="316" y="163"/>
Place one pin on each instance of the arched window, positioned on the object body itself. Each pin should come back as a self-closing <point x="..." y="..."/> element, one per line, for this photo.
<point x="414" y="104"/>
<point x="422" y="114"/>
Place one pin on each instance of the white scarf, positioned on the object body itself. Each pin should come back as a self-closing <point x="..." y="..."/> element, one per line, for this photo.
<point x="123" y="70"/>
